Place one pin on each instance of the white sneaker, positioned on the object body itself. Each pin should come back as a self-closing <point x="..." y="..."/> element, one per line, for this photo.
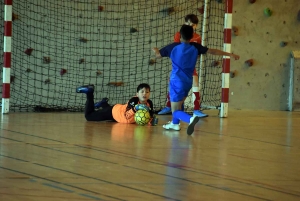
<point x="193" y="121"/>
<point x="172" y="126"/>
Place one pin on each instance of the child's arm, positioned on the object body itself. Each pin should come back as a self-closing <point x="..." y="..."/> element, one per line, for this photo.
<point x="130" y="109"/>
<point x="204" y="50"/>
<point x="165" y="51"/>
<point x="154" y="120"/>
<point x="220" y="52"/>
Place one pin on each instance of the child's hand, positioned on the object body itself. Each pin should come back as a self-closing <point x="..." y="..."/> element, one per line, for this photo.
<point x="156" y="52"/>
<point x="154" y="121"/>
<point x="236" y="57"/>
<point x="141" y="107"/>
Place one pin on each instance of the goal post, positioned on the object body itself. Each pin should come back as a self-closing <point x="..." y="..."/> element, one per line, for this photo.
<point x="214" y="70"/>
<point x="226" y="59"/>
<point x="6" y="55"/>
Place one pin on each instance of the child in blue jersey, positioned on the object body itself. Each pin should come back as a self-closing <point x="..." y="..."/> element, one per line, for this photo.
<point x="184" y="56"/>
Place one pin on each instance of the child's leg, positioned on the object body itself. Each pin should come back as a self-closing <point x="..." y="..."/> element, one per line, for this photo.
<point x="196" y="93"/>
<point x="191" y="120"/>
<point x="176" y="106"/>
<point x="196" y="96"/>
<point x="179" y="91"/>
<point x="100" y="115"/>
<point x="167" y="109"/>
<point x="174" y="125"/>
<point x="168" y="104"/>
<point x="179" y="115"/>
<point x="89" y="104"/>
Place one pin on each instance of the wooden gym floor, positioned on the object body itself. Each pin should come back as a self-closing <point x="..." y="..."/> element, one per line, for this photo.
<point x="251" y="155"/>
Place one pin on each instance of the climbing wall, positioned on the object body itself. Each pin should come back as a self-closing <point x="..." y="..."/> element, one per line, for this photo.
<point x="264" y="34"/>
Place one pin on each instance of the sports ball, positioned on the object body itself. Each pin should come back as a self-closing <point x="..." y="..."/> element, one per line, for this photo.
<point x="142" y="117"/>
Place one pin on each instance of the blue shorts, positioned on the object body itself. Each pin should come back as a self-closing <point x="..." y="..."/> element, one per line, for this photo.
<point x="179" y="90"/>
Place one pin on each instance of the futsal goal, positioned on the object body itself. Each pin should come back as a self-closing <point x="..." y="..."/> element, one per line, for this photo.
<point x="53" y="46"/>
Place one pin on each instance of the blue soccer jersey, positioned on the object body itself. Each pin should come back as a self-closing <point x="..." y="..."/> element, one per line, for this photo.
<point x="184" y="57"/>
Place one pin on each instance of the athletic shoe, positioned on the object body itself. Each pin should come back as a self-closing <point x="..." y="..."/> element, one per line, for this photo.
<point x="198" y="113"/>
<point x="102" y="103"/>
<point x="166" y="110"/>
<point x="193" y="121"/>
<point x="171" y="126"/>
<point x="85" y="89"/>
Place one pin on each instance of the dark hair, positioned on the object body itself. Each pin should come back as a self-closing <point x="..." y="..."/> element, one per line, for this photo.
<point x="141" y="86"/>
<point x="192" y="18"/>
<point x="186" y="32"/>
